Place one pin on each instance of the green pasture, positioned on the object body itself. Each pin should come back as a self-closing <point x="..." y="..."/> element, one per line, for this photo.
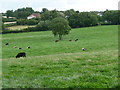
<point x="62" y="64"/>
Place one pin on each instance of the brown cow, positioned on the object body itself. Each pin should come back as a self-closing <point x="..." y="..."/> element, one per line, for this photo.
<point x="56" y="40"/>
<point x="70" y="40"/>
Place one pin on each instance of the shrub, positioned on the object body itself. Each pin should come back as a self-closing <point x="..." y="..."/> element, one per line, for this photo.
<point x="27" y="22"/>
<point x="9" y="19"/>
<point x="9" y="25"/>
<point x="43" y="25"/>
<point x="3" y="26"/>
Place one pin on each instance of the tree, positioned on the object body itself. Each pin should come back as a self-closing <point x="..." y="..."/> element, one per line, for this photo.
<point x="22" y="13"/>
<point x="49" y="15"/>
<point x="44" y="10"/>
<point x="9" y="13"/>
<point x="70" y="12"/>
<point x="82" y="19"/>
<point x="111" y="16"/>
<point x="60" y="27"/>
<point x="43" y="25"/>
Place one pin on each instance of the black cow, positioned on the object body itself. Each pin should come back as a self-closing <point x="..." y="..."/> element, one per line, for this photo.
<point x="22" y="54"/>
<point x="56" y="40"/>
<point x="28" y="47"/>
<point x="83" y="49"/>
<point x="19" y="48"/>
<point x="7" y="44"/>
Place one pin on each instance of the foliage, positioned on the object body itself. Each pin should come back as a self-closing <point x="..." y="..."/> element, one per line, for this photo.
<point x="9" y="19"/>
<point x="83" y="19"/>
<point x="27" y="22"/>
<point x="49" y="15"/>
<point x="76" y="19"/>
<point x="69" y="13"/>
<point x="43" y="25"/>
<point x="44" y="10"/>
<point x="23" y="13"/>
<point x="112" y="17"/>
<point x="60" y="27"/>
<point x="9" y="13"/>
<point x="9" y="25"/>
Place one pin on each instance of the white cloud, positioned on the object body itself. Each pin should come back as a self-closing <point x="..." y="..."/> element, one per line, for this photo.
<point x="81" y="5"/>
<point x="92" y="5"/>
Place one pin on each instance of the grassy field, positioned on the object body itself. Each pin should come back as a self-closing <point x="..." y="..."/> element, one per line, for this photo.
<point x="9" y="22"/>
<point x="62" y="64"/>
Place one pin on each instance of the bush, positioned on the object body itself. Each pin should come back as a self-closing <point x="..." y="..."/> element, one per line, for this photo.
<point x="29" y="29"/>
<point x="9" y="25"/>
<point x="27" y="22"/>
<point x="9" y="19"/>
<point x="43" y="25"/>
<point x="106" y="23"/>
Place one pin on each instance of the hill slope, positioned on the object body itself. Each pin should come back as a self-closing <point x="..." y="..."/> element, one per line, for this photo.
<point x="62" y="64"/>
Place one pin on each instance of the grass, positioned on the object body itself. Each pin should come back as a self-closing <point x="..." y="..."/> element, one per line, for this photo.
<point x="62" y="64"/>
<point x="19" y="27"/>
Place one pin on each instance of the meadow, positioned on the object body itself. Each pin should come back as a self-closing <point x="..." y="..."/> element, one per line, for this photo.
<point x="19" y="27"/>
<point x="63" y="64"/>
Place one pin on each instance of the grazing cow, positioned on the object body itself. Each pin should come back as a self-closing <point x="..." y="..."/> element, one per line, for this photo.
<point x="7" y="44"/>
<point x="70" y="40"/>
<point x="19" y="48"/>
<point x="83" y="49"/>
<point x="56" y="40"/>
<point x="76" y="39"/>
<point x="28" y="47"/>
<point x="22" y="54"/>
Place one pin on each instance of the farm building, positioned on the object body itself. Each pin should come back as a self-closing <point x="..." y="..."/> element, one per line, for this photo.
<point x="34" y="15"/>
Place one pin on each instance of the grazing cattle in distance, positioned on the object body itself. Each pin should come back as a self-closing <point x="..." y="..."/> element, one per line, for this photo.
<point x="56" y="40"/>
<point x="76" y="39"/>
<point x="22" y="54"/>
<point x="7" y="44"/>
<point x="83" y="49"/>
<point x="70" y="40"/>
<point x="28" y="47"/>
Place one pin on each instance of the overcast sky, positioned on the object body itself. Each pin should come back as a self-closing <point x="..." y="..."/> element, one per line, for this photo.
<point x="81" y="5"/>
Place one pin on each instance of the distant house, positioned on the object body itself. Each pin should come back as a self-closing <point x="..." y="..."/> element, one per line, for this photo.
<point x="34" y="15"/>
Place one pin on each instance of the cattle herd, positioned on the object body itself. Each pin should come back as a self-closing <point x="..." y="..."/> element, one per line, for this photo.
<point x="23" y="54"/>
<point x="69" y="40"/>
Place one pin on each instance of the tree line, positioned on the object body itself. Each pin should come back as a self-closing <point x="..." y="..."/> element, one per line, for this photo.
<point x="76" y="19"/>
<point x="61" y="22"/>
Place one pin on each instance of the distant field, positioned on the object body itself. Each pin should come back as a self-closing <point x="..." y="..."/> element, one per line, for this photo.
<point x="19" y="27"/>
<point x="62" y="64"/>
<point x="9" y="22"/>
